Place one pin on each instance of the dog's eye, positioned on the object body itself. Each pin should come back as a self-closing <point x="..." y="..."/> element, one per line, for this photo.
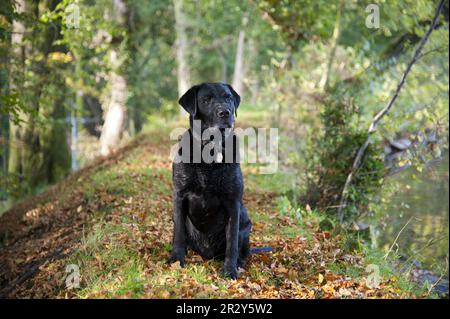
<point x="228" y="97"/>
<point x="206" y="99"/>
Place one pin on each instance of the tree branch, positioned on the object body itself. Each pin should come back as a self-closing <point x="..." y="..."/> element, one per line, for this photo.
<point x="382" y="113"/>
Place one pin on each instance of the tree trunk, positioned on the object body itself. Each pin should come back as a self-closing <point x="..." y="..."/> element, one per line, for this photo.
<point x="324" y="81"/>
<point x="16" y="135"/>
<point x="114" y="109"/>
<point x="54" y="141"/>
<point x="254" y="82"/>
<point x="223" y="62"/>
<point x="38" y="151"/>
<point x="181" y="45"/>
<point x="239" y="71"/>
<point x="115" y="113"/>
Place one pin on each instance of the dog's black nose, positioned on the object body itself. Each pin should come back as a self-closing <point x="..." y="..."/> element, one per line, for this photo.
<point x="223" y="113"/>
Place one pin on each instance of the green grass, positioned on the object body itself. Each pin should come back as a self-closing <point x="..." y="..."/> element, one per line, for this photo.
<point x="388" y="270"/>
<point x="107" y="264"/>
<point x="279" y="182"/>
<point x="256" y="115"/>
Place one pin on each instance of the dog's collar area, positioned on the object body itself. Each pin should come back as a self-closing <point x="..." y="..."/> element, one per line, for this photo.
<point x="203" y="142"/>
<point x="217" y="148"/>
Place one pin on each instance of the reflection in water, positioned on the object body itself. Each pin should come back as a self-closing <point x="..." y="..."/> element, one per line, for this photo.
<point x="425" y="199"/>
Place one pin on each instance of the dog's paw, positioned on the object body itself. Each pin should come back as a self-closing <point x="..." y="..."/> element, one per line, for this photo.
<point x="176" y="258"/>
<point x="231" y="272"/>
<point x="241" y="263"/>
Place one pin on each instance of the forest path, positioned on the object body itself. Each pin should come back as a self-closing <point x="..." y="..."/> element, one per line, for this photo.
<point x="113" y="221"/>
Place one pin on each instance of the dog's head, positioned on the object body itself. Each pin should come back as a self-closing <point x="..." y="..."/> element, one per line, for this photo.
<point x="214" y="104"/>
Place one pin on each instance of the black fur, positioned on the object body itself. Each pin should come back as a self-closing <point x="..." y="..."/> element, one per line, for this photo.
<point x="209" y="216"/>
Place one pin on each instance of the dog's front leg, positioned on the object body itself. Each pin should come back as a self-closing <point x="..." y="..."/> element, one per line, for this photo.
<point x="232" y="234"/>
<point x="179" y="232"/>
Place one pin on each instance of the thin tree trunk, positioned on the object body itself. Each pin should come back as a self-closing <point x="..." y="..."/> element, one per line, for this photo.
<point x="382" y="113"/>
<point x="114" y="104"/>
<point x="38" y="154"/>
<point x="74" y="134"/>
<point x="54" y="144"/>
<point x="254" y="83"/>
<point x="255" y="90"/>
<point x="16" y="135"/>
<point x="239" y="71"/>
<point x="115" y="112"/>
<point x="76" y="108"/>
<point x="181" y="46"/>
<point x="223" y="62"/>
<point x="324" y="81"/>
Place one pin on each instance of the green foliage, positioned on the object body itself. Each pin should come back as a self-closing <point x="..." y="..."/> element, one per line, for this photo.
<point x="337" y="148"/>
<point x="10" y="105"/>
<point x="311" y="18"/>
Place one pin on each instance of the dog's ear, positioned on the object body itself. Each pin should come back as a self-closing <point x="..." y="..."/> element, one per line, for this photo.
<point x="189" y="100"/>
<point x="236" y="98"/>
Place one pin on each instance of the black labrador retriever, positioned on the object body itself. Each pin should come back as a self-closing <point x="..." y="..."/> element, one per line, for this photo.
<point x="209" y="216"/>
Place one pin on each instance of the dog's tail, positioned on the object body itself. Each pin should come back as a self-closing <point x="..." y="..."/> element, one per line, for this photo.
<point x="258" y="250"/>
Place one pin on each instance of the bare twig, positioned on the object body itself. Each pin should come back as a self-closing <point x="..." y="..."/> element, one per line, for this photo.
<point x="382" y="113"/>
<point x="396" y="238"/>
<point x="430" y="290"/>
<point x="429" y="243"/>
<point x="439" y="49"/>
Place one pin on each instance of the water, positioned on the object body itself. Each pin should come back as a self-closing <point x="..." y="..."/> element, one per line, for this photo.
<point x="424" y="201"/>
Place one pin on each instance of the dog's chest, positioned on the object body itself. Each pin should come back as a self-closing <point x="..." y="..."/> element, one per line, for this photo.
<point x="209" y="190"/>
<point x="209" y="180"/>
<point x="217" y="182"/>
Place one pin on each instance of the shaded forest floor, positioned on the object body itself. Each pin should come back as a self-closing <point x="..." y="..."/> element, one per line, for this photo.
<point x="113" y="220"/>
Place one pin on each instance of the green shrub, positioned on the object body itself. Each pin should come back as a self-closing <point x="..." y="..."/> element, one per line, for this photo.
<point x="334" y="152"/>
